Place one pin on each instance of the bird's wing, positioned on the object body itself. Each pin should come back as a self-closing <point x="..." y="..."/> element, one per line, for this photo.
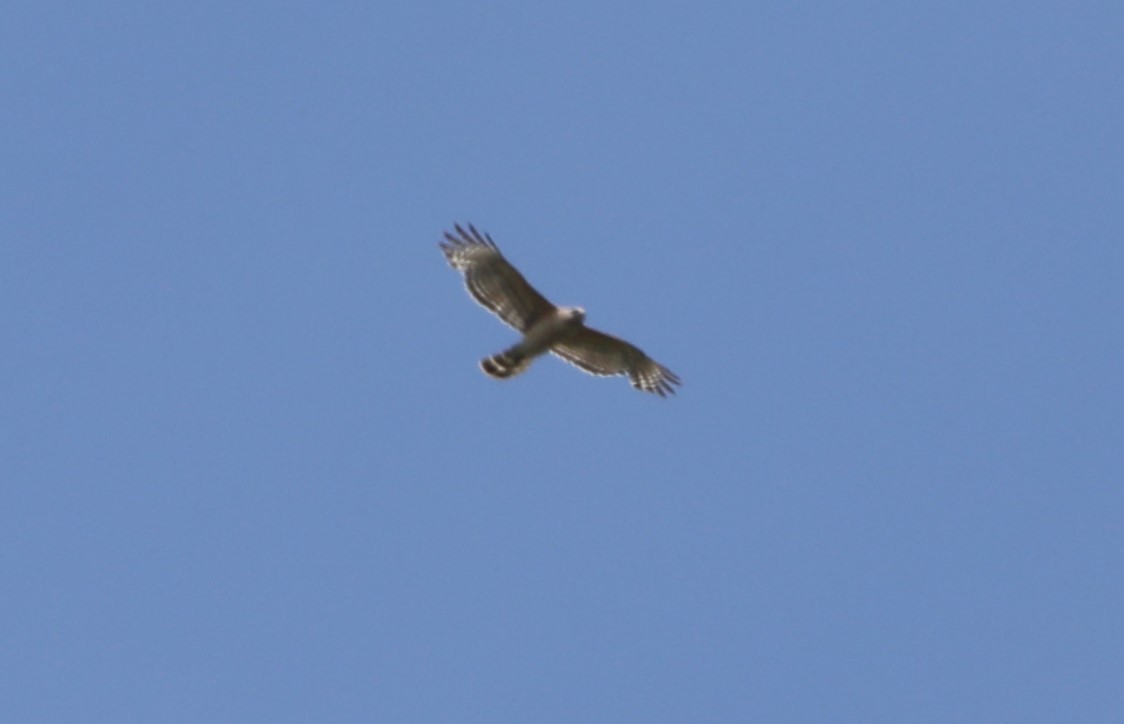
<point x="602" y="354"/>
<point x="492" y="280"/>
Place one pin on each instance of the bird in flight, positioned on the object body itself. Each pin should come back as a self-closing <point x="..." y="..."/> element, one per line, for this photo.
<point x="501" y="289"/>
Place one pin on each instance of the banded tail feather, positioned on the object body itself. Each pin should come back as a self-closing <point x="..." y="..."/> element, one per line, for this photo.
<point x="505" y="364"/>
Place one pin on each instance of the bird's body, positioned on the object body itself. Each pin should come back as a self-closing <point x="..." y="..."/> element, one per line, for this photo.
<point x="539" y="338"/>
<point x="499" y="287"/>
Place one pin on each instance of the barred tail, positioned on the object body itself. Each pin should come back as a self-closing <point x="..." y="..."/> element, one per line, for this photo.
<point x="505" y="364"/>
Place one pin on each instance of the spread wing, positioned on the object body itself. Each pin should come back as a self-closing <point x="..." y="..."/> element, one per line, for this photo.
<point x="601" y="354"/>
<point x="492" y="280"/>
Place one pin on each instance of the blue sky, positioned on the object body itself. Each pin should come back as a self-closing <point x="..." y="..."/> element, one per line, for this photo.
<point x="251" y="471"/>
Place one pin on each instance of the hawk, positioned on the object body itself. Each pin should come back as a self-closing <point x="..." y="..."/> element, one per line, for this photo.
<point x="501" y="289"/>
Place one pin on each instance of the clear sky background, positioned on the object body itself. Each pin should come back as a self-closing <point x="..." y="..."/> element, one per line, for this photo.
<point x="251" y="471"/>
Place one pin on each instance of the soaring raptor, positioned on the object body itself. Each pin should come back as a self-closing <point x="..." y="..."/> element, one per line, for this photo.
<point x="501" y="289"/>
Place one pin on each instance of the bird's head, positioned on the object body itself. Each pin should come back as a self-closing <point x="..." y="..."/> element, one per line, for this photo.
<point x="575" y="314"/>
